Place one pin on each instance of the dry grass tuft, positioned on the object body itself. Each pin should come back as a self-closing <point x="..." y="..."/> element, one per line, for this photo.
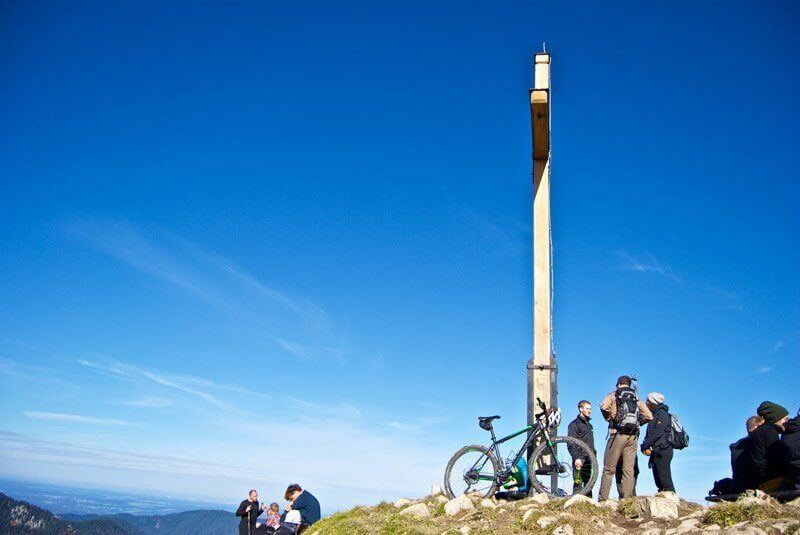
<point x="728" y="514"/>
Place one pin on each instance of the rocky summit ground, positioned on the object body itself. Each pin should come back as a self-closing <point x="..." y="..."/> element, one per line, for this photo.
<point x="662" y="514"/>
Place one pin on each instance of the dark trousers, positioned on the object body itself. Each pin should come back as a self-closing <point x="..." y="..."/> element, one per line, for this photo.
<point x="661" y="462"/>
<point x="286" y="530"/>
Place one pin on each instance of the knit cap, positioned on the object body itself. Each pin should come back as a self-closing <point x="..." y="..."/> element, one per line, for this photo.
<point x="771" y="412"/>
<point x="656" y="398"/>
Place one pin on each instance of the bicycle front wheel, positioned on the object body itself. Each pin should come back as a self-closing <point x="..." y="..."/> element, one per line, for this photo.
<point x="471" y="470"/>
<point x="552" y="469"/>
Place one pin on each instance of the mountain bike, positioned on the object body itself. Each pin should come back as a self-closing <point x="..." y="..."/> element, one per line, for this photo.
<point x="551" y="466"/>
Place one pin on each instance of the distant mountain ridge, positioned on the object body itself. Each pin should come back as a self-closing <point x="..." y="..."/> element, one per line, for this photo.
<point x="21" y="517"/>
<point x="202" y="522"/>
<point x="60" y="500"/>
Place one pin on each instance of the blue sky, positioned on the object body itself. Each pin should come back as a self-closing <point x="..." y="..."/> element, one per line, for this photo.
<point x="256" y="244"/>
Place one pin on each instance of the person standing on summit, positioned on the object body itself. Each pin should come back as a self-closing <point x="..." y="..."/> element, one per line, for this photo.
<point x="624" y="412"/>
<point x="581" y="428"/>
<point x="656" y="443"/>
<point x="248" y="511"/>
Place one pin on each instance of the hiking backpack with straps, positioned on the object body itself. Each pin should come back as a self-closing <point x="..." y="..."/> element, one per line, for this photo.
<point x="626" y="420"/>
<point x="677" y="436"/>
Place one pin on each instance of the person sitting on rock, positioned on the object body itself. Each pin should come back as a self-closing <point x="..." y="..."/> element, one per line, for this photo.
<point x="302" y="510"/>
<point x="740" y="456"/>
<point x="272" y="520"/>
<point x="791" y="443"/>
<point x="741" y="469"/>
<point x="766" y="458"/>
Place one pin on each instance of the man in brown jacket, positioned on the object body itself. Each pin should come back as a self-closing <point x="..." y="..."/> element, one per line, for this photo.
<point x="623" y="436"/>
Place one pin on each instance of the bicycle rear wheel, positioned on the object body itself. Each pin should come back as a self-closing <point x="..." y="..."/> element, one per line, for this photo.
<point x="552" y="470"/>
<point x="472" y="469"/>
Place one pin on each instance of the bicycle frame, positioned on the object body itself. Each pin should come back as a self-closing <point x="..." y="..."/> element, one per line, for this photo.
<point x="533" y="432"/>
<point x="538" y="439"/>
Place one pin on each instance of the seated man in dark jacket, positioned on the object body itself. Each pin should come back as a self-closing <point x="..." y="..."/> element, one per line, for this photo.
<point x="656" y="442"/>
<point x="302" y="502"/>
<point x="765" y="456"/>
<point x="740" y="456"/>
<point x="791" y="443"/>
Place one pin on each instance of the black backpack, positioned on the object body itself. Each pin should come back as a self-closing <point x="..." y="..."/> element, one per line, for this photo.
<point x="677" y="436"/>
<point x="626" y="420"/>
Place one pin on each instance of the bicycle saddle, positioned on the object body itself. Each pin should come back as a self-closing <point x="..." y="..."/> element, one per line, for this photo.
<point x="485" y="422"/>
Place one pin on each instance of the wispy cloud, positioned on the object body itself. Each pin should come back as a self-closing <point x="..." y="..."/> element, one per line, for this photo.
<point x="295" y="349"/>
<point x="190" y="379"/>
<point x="149" y="402"/>
<point x="339" y="410"/>
<point x="322" y="453"/>
<point x="311" y="352"/>
<point x="126" y="243"/>
<point x="783" y="342"/>
<point x="763" y="369"/>
<point x="25" y="447"/>
<point x="75" y="418"/>
<point x="205" y="275"/>
<point x="195" y="387"/>
<point x="205" y="396"/>
<point x="414" y="425"/>
<point x="405" y="427"/>
<point x="646" y="263"/>
<point x="301" y="307"/>
<point x="28" y="372"/>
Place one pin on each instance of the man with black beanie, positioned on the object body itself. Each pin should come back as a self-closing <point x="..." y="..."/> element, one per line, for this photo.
<point x="766" y="452"/>
<point x="791" y="442"/>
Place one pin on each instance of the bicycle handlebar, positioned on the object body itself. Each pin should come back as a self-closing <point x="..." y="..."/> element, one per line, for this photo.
<point x="541" y="404"/>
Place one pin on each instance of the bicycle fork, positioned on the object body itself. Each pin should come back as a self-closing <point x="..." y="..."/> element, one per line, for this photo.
<point x="547" y="463"/>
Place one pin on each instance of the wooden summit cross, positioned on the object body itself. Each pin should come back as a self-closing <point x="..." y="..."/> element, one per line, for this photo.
<point x="542" y="366"/>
